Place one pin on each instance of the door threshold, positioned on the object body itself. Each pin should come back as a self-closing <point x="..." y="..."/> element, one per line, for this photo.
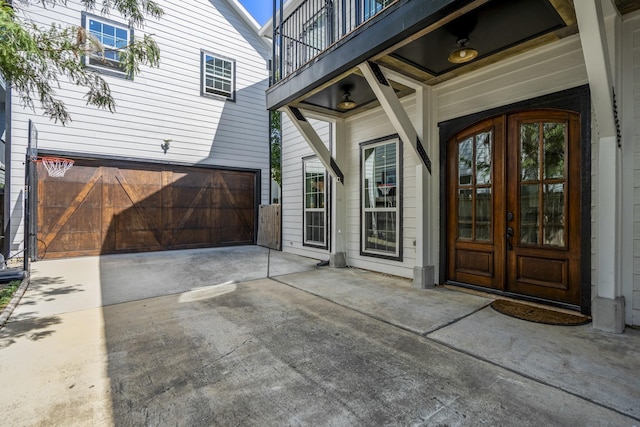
<point x="497" y="294"/>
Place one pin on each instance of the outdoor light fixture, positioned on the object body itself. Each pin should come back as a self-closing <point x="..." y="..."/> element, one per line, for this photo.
<point x="165" y="145"/>
<point x="347" y="103"/>
<point x="463" y="53"/>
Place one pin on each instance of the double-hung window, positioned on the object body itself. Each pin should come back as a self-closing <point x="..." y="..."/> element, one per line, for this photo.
<point x="113" y="36"/>
<point x="315" y="208"/>
<point x="218" y="76"/>
<point x="381" y="198"/>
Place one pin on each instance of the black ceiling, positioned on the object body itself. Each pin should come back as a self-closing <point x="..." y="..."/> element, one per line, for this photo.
<point x="355" y="84"/>
<point x="495" y="26"/>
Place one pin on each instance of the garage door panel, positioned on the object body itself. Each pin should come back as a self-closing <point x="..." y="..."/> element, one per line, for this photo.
<point x="83" y="242"/>
<point x="229" y="235"/>
<point x="85" y="219"/>
<point x="113" y="209"/>
<point x="241" y="200"/>
<point x="140" y="178"/>
<point x="191" y="197"/>
<point x="139" y="218"/>
<point x="195" y="179"/>
<point x="237" y="181"/>
<point x="137" y="239"/>
<point x="194" y="237"/>
<point x="233" y="218"/>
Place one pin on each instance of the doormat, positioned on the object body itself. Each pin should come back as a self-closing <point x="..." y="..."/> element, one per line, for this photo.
<point x="538" y="314"/>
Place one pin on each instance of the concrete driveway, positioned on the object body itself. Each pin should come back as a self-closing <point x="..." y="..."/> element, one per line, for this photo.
<point x="203" y="338"/>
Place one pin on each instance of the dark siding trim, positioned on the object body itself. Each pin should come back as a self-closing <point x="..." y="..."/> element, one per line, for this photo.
<point x="298" y="114"/>
<point x="423" y="154"/>
<point x="84" y="158"/>
<point x="337" y="171"/>
<point x="379" y="74"/>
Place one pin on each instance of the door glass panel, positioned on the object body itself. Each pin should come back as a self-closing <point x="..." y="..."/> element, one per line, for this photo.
<point x="483" y="158"/>
<point x="474" y="187"/>
<point x="465" y="214"/>
<point x="529" y="208"/>
<point x="554" y="214"/>
<point x="483" y="214"/>
<point x="529" y="151"/>
<point x="465" y="161"/>
<point x="554" y="141"/>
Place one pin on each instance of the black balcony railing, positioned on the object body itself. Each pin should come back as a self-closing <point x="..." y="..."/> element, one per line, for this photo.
<point x="312" y="27"/>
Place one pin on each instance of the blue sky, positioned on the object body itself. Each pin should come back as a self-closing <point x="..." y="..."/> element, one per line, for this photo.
<point x="260" y="9"/>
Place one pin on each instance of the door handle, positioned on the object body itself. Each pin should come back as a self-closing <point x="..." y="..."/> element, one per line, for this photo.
<point x="510" y="233"/>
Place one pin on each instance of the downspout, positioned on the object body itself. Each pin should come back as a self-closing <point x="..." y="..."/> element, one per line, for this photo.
<point x="6" y="227"/>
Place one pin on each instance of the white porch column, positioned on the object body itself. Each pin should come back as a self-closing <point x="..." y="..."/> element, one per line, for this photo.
<point x="338" y="254"/>
<point x="608" y="303"/>
<point x="423" y="272"/>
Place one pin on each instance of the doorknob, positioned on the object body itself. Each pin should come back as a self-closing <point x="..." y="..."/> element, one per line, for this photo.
<point x="509" y="236"/>
<point x="509" y="216"/>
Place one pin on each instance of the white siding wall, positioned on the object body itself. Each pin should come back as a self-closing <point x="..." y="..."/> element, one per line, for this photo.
<point x="162" y="103"/>
<point x="362" y="128"/>
<point x="294" y="149"/>
<point x="631" y="145"/>
<point x="542" y="71"/>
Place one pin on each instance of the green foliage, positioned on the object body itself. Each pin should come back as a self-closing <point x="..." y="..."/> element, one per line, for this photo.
<point x="276" y="146"/>
<point x="7" y="291"/>
<point x="32" y="58"/>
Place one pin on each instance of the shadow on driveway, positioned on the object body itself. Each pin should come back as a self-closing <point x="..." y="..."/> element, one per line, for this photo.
<point x="202" y="338"/>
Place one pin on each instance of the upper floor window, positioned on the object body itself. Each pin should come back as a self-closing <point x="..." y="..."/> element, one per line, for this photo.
<point x="315" y="209"/>
<point x="381" y="198"/>
<point x="218" y="76"/>
<point x="114" y="38"/>
<point x="371" y="7"/>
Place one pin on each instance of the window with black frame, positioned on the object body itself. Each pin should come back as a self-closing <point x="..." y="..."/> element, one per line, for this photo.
<point x="218" y="76"/>
<point x="315" y="206"/>
<point x="381" y="198"/>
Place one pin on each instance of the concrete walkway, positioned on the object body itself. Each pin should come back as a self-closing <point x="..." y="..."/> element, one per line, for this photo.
<point x="202" y="338"/>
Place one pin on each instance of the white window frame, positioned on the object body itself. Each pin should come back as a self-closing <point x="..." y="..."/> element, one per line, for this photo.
<point x="210" y="90"/>
<point x="306" y="241"/>
<point x="95" y="60"/>
<point x="372" y="192"/>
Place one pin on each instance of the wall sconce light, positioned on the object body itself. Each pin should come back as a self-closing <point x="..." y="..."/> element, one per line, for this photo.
<point x="165" y="145"/>
<point x="347" y="103"/>
<point x="463" y="53"/>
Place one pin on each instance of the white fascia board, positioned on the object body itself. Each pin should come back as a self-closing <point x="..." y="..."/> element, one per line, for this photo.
<point x="249" y="20"/>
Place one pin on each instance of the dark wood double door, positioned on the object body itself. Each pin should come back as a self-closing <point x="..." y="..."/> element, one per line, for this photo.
<point x="513" y="202"/>
<point x="100" y="208"/>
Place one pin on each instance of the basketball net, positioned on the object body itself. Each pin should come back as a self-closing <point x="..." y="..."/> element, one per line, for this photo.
<point x="56" y="166"/>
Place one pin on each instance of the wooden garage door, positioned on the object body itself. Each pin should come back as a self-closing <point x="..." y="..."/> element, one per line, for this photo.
<point x="98" y="209"/>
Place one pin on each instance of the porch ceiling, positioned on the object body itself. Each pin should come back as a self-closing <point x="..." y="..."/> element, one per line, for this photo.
<point x="497" y="29"/>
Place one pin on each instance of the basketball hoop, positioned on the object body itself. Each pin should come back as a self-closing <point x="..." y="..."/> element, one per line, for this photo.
<point x="56" y="166"/>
